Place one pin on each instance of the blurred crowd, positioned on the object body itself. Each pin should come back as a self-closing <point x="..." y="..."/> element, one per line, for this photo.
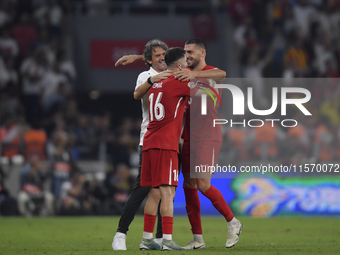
<point x="41" y="128"/>
<point x="297" y="41"/>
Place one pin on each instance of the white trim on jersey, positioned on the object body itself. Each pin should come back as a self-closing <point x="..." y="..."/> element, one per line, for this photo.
<point x="170" y="171"/>
<point x="179" y="101"/>
<point x="213" y="157"/>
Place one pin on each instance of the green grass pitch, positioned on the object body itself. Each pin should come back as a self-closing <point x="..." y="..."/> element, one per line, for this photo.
<point x="93" y="235"/>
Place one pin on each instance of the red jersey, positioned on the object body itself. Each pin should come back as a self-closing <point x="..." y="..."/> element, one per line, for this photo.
<point x="167" y="100"/>
<point x="202" y="125"/>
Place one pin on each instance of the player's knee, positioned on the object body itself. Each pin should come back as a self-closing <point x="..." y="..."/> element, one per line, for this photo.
<point x="155" y="195"/>
<point x="167" y="193"/>
<point x="190" y="183"/>
<point x="203" y="185"/>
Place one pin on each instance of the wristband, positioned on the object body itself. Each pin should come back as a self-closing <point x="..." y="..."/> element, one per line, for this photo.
<point x="149" y="81"/>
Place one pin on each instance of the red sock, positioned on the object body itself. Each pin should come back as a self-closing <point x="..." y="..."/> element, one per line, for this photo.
<point x="149" y="222"/>
<point x="193" y="207"/>
<point x="167" y="223"/>
<point x="217" y="199"/>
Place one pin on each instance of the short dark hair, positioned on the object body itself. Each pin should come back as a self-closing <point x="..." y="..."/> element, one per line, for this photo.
<point x="199" y="42"/>
<point x="172" y="55"/>
<point x="150" y="46"/>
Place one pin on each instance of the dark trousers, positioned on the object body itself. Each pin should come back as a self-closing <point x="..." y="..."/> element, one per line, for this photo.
<point x="133" y="203"/>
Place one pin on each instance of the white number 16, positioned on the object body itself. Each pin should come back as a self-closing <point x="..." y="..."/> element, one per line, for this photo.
<point x="159" y="108"/>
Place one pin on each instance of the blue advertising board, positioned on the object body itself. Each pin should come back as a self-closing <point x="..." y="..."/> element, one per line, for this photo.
<point x="267" y="197"/>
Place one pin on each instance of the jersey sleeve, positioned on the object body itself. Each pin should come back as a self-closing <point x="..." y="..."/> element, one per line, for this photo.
<point x="142" y="78"/>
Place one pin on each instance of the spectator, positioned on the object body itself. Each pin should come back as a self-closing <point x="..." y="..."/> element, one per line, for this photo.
<point x="335" y="21"/>
<point x="84" y="138"/>
<point x="44" y="43"/>
<point x="61" y="168"/>
<point x="71" y="112"/>
<point x="54" y="102"/>
<point x="244" y="36"/>
<point x="66" y="66"/>
<point x="6" y="12"/>
<point x="57" y="147"/>
<point x="289" y="22"/>
<point x="9" y="137"/>
<point x="330" y="108"/>
<point x="304" y="15"/>
<point x="50" y="14"/>
<point x="32" y="179"/>
<point x="254" y="72"/>
<point x="51" y="83"/>
<point x="104" y="135"/>
<point x="35" y="142"/>
<point x="8" y="75"/>
<point x="298" y="55"/>
<point x="8" y="205"/>
<point x="323" y="18"/>
<point x="74" y="200"/>
<point x="8" y="44"/>
<point x="125" y="143"/>
<point x="23" y="126"/>
<point x="240" y="10"/>
<point x="25" y="34"/>
<point x="9" y="102"/>
<point x="323" y="54"/>
<point x="120" y="185"/>
<point x="33" y="71"/>
<point x="330" y="70"/>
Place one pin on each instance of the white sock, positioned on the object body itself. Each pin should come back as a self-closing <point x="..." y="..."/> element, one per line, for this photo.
<point x="120" y="234"/>
<point x="147" y="235"/>
<point x="198" y="238"/>
<point x="167" y="237"/>
<point x="233" y="222"/>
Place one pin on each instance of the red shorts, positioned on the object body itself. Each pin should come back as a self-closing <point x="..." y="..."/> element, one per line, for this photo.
<point x="199" y="153"/>
<point x="159" y="167"/>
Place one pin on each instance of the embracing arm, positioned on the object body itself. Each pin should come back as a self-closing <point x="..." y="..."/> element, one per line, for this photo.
<point x="186" y="74"/>
<point x="142" y="89"/>
<point x="211" y="73"/>
<point x="128" y="59"/>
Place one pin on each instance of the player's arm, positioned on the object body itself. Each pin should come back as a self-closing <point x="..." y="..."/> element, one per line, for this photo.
<point x="128" y="59"/>
<point x="142" y="89"/>
<point x="186" y="74"/>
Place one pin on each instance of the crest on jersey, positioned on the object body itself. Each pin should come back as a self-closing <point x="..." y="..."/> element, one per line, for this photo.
<point x="204" y="87"/>
<point x="192" y="84"/>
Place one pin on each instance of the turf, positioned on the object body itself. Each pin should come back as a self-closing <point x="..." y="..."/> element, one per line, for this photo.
<point x="93" y="235"/>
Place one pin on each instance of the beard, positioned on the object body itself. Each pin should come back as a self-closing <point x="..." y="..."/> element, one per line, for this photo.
<point x="194" y="63"/>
